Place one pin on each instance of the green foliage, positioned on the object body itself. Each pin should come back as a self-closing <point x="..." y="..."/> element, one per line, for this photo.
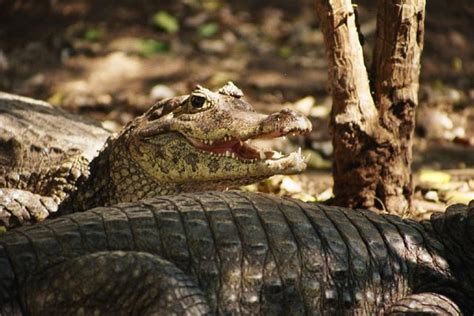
<point x="93" y="35"/>
<point x="207" y="5"/>
<point x="285" y="51"/>
<point x="149" y="47"/>
<point x="166" y="22"/>
<point x="208" y="29"/>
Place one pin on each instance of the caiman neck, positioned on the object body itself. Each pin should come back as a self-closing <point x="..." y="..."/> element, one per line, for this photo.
<point x="114" y="178"/>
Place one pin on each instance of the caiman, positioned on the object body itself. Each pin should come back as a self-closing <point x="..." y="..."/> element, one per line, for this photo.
<point x="236" y="253"/>
<point x="189" y="143"/>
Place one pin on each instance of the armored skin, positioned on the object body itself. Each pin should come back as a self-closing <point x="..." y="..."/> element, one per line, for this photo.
<point x="189" y="143"/>
<point x="209" y="253"/>
<point x="235" y="253"/>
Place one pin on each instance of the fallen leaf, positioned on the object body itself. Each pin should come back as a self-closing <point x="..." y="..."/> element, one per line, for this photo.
<point x="459" y="197"/>
<point x="166" y="22"/>
<point x="285" y="51"/>
<point x="305" y="197"/>
<point x="325" y="195"/>
<point x="149" y="47"/>
<point x="290" y="186"/>
<point x="93" y="35"/>
<point x="56" y="99"/>
<point x="433" y="176"/>
<point x="208" y="29"/>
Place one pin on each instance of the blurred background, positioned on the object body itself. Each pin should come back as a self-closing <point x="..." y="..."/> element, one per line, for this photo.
<point x="112" y="59"/>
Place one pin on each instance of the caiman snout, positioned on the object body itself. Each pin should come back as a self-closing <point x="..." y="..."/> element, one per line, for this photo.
<point x="285" y="122"/>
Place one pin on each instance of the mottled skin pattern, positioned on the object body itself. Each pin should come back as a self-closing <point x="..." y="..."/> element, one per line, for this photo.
<point x="189" y="143"/>
<point x="238" y="253"/>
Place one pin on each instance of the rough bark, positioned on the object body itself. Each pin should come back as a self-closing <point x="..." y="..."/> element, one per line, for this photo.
<point x="396" y="70"/>
<point x="372" y="133"/>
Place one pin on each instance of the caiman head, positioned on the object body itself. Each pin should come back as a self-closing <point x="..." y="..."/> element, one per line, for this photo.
<point x="201" y="141"/>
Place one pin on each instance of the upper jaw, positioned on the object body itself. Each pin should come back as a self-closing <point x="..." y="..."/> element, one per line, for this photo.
<point x="285" y="122"/>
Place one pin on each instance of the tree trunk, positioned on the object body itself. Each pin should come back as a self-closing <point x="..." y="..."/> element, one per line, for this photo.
<point x="372" y="132"/>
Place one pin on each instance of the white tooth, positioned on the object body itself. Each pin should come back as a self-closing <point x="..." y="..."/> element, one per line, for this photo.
<point x="210" y="142"/>
<point x="227" y="153"/>
<point x="262" y="155"/>
<point x="276" y="155"/>
<point x="232" y="155"/>
<point x="299" y="151"/>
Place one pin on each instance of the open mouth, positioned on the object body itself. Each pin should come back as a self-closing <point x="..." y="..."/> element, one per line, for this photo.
<point x="242" y="149"/>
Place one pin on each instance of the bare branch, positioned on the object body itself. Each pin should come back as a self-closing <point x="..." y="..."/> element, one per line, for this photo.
<point x="372" y="136"/>
<point x="352" y="101"/>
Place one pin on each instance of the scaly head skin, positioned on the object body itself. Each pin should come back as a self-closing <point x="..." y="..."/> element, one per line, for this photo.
<point x="200" y="139"/>
<point x="197" y="142"/>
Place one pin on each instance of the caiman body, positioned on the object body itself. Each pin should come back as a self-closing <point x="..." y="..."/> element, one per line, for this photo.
<point x="50" y="159"/>
<point x="237" y="253"/>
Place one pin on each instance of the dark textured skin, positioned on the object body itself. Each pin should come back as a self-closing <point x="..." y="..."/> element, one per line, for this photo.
<point x="83" y="286"/>
<point x="248" y="253"/>
<point x="424" y="303"/>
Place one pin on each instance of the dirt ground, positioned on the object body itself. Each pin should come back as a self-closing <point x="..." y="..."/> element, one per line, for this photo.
<point x="111" y="60"/>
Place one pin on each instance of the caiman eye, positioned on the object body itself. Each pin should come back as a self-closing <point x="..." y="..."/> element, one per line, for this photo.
<point x="197" y="101"/>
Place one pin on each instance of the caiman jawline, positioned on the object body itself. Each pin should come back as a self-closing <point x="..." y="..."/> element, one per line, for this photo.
<point x="242" y="149"/>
